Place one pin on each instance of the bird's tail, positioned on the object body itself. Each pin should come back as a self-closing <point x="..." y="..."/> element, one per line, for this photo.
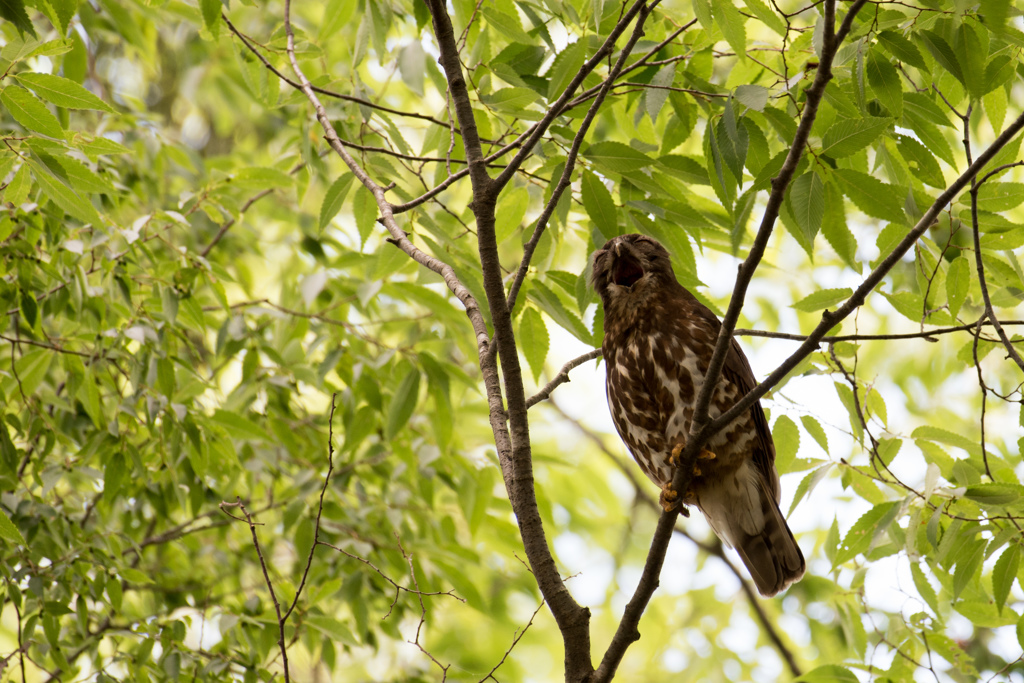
<point x="744" y="513"/>
<point x="772" y="556"/>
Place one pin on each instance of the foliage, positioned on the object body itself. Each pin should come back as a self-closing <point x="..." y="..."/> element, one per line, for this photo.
<point x="246" y="436"/>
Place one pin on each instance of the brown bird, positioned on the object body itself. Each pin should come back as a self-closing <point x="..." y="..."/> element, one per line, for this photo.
<point x="658" y="342"/>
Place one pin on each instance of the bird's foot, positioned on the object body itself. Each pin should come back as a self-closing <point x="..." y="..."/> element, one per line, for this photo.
<point x="669" y="500"/>
<point x="673" y="457"/>
<point x="677" y="450"/>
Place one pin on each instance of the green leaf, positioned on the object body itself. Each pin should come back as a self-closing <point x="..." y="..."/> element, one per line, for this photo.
<point x="971" y="54"/>
<point x="816" y="431"/>
<point x="753" y="96"/>
<point x="924" y="587"/>
<point x="654" y="98"/>
<point x="847" y="136"/>
<point x="30" y="112"/>
<point x="506" y="25"/>
<point x="365" y="209"/>
<point x="18" y="189"/>
<point x="411" y="62"/>
<point x="901" y="48"/>
<point x="597" y="201"/>
<point x="8" y="531"/>
<point x="995" y="108"/>
<point x="1000" y="196"/>
<point x="81" y="178"/>
<point x="67" y="199"/>
<point x="731" y="22"/>
<point x="823" y="298"/>
<point x="333" y="629"/>
<point x="994" y="494"/>
<point x="834" y="228"/>
<point x="808" y="483"/>
<point x="556" y="310"/>
<point x="871" y="195"/>
<point x="511" y="210"/>
<point x="165" y="376"/>
<point x="766" y="16"/>
<point x="403" y="403"/>
<point x="14" y="12"/>
<point x="921" y="162"/>
<point x="885" y="82"/>
<point x="334" y="198"/>
<point x="942" y="51"/>
<point x="922" y="106"/>
<point x="62" y="92"/>
<point x="807" y="197"/>
<point x="533" y="339"/>
<point x="995" y="13"/>
<point x="565" y="68"/>
<point x="969" y="558"/>
<point x="115" y="472"/>
<point x="958" y="281"/>
<point x="617" y="157"/>
<point x="871" y="525"/>
<point x="256" y="178"/>
<point x="239" y="427"/>
<point x="1004" y="573"/>
<point x="511" y="100"/>
<point x="686" y="169"/>
<point x="939" y="435"/>
<point x="733" y="141"/>
<point x="787" y="442"/>
<point x="211" y="10"/>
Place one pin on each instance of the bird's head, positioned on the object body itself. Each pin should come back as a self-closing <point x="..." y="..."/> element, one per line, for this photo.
<point x="629" y="269"/>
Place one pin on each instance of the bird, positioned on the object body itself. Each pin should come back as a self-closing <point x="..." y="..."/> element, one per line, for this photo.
<point x="658" y="343"/>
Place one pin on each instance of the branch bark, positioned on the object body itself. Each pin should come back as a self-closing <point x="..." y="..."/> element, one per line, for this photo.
<point x="512" y="441"/>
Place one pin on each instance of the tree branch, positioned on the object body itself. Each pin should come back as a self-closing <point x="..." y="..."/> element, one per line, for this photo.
<point x="538" y="130"/>
<point x="398" y="236"/>
<point x="831" y="319"/>
<point x="562" y="377"/>
<point x="570" y="159"/>
<point x="701" y="430"/>
<point x="512" y="441"/>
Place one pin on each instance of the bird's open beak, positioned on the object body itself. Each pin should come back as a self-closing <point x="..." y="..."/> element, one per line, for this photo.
<point x="626" y="268"/>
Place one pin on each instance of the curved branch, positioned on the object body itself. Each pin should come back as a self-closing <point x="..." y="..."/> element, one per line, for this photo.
<point x="398" y="236"/>
<point x="562" y="377"/>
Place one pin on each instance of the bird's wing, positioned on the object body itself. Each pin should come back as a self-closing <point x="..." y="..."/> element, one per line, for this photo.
<point x="737" y="370"/>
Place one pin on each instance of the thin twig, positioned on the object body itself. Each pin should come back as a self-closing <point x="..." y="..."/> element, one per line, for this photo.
<point x="562" y="377"/>
<point x="320" y="507"/>
<point x="247" y="518"/>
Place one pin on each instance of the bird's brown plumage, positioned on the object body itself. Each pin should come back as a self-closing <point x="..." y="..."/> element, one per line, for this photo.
<point x="658" y="344"/>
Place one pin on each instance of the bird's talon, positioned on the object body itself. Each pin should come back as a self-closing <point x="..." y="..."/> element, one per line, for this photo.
<point x="669" y="498"/>
<point x="705" y="454"/>
<point x="696" y="471"/>
<point x="673" y="458"/>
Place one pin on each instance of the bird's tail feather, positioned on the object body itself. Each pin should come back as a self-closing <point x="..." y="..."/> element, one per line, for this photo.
<point x="772" y="556"/>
